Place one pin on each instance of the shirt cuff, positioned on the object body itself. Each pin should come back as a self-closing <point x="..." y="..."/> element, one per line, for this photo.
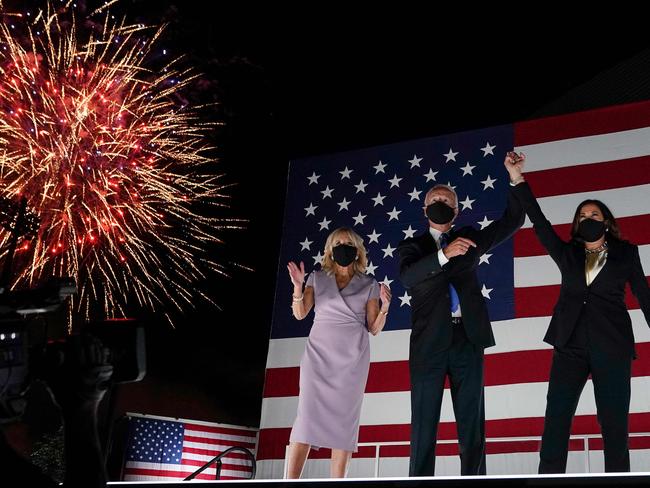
<point x="442" y="259"/>
<point x="520" y="179"/>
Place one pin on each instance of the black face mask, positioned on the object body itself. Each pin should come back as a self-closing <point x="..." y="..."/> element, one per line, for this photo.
<point x="440" y="213"/>
<point x="591" y="230"/>
<point x="343" y="254"/>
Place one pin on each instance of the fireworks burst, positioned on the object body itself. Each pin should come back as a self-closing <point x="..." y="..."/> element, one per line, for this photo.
<point x="117" y="171"/>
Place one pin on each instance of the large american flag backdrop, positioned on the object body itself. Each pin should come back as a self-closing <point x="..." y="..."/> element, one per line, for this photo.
<point x="167" y="449"/>
<point x="379" y="192"/>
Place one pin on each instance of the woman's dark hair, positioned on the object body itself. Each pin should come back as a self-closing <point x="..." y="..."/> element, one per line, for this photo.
<point x="610" y="220"/>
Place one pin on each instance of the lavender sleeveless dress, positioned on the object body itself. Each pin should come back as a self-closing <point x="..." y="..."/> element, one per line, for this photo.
<point x="334" y="367"/>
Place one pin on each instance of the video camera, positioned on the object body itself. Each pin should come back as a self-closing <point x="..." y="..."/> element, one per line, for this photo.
<point x="27" y="352"/>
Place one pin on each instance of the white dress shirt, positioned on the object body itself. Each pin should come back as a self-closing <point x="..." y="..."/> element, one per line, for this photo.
<point x="442" y="259"/>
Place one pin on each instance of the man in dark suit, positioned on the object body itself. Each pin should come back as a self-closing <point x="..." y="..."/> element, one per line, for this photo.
<point x="450" y="326"/>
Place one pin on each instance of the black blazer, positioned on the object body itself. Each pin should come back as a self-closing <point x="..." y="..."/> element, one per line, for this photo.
<point x="428" y="285"/>
<point x="609" y="325"/>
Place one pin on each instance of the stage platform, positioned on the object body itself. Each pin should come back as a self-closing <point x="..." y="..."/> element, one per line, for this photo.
<point x="514" y="481"/>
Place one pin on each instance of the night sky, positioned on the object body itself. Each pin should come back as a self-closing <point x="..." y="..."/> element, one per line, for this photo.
<point x="301" y="83"/>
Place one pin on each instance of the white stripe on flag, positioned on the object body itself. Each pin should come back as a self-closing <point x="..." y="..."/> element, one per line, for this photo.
<point x="524" y="334"/>
<point x="623" y="202"/>
<point x="449" y="465"/>
<point x="177" y="474"/>
<point x="587" y="150"/>
<point x="214" y="435"/>
<point x="179" y="468"/>
<point x="542" y="270"/>
<point x="501" y="402"/>
<point x="528" y="334"/>
<point x="211" y="447"/>
<point x="225" y="460"/>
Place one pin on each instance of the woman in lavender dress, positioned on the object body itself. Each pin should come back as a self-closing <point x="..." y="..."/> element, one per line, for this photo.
<point x="334" y="367"/>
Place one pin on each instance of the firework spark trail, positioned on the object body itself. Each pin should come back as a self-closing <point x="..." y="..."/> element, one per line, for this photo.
<point x="117" y="171"/>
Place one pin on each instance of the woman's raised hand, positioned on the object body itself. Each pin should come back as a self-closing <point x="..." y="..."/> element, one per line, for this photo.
<point x="514" y="163"/>
<point x="385" y="296"/>
<point x="297" y="274"/>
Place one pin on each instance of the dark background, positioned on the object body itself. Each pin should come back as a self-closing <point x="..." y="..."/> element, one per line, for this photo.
<point x="293" y="83"/>
<point x="299" y="83"/>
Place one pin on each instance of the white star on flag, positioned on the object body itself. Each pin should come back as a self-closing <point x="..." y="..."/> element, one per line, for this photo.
<point x="488" y="183"/>
<point x="388" y="250"/>
<point x="485" y="258"/>
<point x="415" y="161"/>
<point x="324" y="224"/>
<point x="450" y="185"/>
<point x="394" y="214"/>
<point x="431" y="175"/>
<point x="380" y="167"/>
<point x="318" y="259"/>
<point x="311" y="209"/>
<point x="405" y="299"/>
<point x="486" y="292"/>
<point x="450" y="156"/>
<point x="467" y="169"/>
<point x="371" y="268"/>
<point x="313" y="178"/>
<point x="386" y="282"/>
<point x="361" y="186"/>
<point x="306" y="244"/>
<point x="358" y="220"/>
<point x="343" y="204"/>
<point x="379" y="199"/>
<point x="346" y="173"/>
<point x="327" y="192"/>
<point x="488" y="149"/>
<point x="374" y="237"/>
<point x="485" y="222"/>
<point x="467" y="203"/>
<point x="395" y="181"/>
<point x="415" y="194"/>
<point x="410" y="232"/>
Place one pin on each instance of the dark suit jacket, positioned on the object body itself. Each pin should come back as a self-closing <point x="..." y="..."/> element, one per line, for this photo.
<point x="609" y="324"/>
<point x="428" y="285"/>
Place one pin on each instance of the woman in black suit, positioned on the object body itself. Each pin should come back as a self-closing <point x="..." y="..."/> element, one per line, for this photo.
<point x="590" y="330"/>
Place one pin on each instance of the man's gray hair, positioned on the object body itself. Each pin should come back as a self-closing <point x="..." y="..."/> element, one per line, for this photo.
<point x="441" y="186"/>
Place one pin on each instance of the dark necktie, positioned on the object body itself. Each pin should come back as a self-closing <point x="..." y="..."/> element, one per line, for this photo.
<point x="455" y="302"/>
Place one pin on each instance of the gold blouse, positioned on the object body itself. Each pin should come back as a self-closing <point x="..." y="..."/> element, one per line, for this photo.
<point x="594" y="262"/>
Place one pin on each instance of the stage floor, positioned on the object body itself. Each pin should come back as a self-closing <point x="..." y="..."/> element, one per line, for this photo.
<point x="569" y="480"/>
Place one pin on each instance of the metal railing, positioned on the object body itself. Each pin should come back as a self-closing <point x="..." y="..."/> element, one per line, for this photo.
<point x="217" y="460"/>
<point x="378" y="445"/>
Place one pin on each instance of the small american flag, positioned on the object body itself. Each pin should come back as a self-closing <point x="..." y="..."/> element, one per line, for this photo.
<point x="171" y="449"/>
<point x="379" y="192"/>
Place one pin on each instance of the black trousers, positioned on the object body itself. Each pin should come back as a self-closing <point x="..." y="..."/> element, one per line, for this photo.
<point x="463" y="363"/>
<point x="610" y="375"/>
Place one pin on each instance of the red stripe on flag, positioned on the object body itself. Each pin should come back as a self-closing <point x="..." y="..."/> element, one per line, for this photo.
<point x="273" y="441"/>
<point x="174" y="474"/>
<point x="214" y="452"/>
<point x="580" y="124"/>
<point x="281" y="382"/>
<point x="636" y="229"/>
<point x="493" y="447"/>
<point x="590" y="177"/>
<point x="633" y="442"/>
<point x="500" y="369"/>
<point x="325" y="453"/>
<point x="445" y="449"/>
<point x="539" y="301"/>
<point x="233" y="467"/>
